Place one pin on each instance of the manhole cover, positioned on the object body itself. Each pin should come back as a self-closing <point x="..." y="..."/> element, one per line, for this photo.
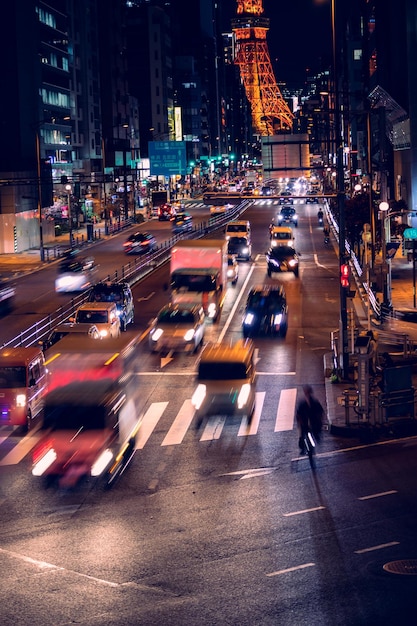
<point x="404" y="567"/>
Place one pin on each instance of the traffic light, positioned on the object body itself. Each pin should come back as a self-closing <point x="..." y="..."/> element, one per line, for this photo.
<point x="345" y="275"/>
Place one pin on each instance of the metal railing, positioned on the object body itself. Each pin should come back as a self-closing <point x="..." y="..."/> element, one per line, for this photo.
<point x="132" y="272"/>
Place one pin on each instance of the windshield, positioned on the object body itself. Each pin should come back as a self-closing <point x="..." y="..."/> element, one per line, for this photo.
<point x="74" y="417"/>
<point x="12" y="377"/>
<point x="221" y="370"/>
<point x="283" y="251"/>
<point x="236" y="228"/>
<point x="193" y="282"/>
<point x="92" y="317"/>
<point x="176" y="317"/>
<point x="106" y="294"/>
<point x="272" y="302"/>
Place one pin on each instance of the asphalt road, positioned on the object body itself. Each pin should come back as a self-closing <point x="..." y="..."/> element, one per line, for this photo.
<point x="223" y="524"/>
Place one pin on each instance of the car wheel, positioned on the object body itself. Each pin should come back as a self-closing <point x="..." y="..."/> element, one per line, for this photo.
<point x="296" y="273"/>
<point x="269" y="272"/>
<point x="283" y="331"/>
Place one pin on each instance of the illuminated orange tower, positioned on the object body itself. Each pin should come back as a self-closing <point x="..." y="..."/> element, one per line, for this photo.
<point x="270" y="112"/>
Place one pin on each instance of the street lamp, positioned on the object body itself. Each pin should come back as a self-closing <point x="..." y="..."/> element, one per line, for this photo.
<point x="386" y="263"/>
<point x="38" y="171"/>
<point x="68" y="189"/>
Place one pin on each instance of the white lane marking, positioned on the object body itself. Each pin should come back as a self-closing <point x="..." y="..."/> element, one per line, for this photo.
<point x="317" y="508"/>
<point x="378" y="495"/>
<point x="213" y="428"/>
<point x="180" y="425"/>
<point x="21" y="449"/>
<point x="252" y="428"/>
<point x="380" y="547"/>
<point x="45" y="565"/>
<point x="286" y="409"/>
<point x="291" y="569"/>
<point x="236" y="304"/>
<point x="148" y="422"/>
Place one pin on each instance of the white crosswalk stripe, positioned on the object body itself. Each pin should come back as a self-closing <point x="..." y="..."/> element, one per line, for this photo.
<point x="286" y="408"/>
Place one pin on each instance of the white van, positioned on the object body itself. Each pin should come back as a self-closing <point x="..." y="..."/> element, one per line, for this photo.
<point x="238" y="228"/>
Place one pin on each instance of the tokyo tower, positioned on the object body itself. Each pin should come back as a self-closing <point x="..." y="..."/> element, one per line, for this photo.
<point x="270" y="112"/>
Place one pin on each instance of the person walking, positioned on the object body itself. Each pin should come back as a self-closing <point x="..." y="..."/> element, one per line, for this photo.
<point x="309" y="416"/>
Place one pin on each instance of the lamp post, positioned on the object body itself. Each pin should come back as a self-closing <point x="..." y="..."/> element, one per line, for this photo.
<point x="38" y="171"/>
<point x="386" y="263"/>
<point x="340" y="188"/>
<point x="68" y="189"/>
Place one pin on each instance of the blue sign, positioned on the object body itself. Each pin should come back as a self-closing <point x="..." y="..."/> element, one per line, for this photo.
<point x="167" y="158"/>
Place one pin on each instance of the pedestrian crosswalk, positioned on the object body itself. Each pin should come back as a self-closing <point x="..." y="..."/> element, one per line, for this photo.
<point x="179" y="422"/>
<point x="267" y="202"/>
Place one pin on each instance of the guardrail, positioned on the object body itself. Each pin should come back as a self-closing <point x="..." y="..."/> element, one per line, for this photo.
<point x="132" y="272"/>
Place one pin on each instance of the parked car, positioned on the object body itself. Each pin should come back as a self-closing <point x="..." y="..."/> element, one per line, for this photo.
<point x="89" y="331"/>
<point x="120" y="294"/>
<point x="266" y="311"/>
<point x="232" y="269"/>
<point x="177" y="327"/>
<point x="282" y="259"/>
<point x="140" y="243"/>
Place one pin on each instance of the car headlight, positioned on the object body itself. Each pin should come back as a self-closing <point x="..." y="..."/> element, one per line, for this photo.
<point x="273" y="243"/>
<point x="243" y="396"/>
<point x="102" y="462"/>
<point x="44" y="462"/>
<point x="211" y="309"/>
<point x="292" y="263"/>
<point x="245" y="250"/>
<point x="104" y="332"/>
<point x="21" y="399"/>
<point x="189" y="334"/>
<point x="157" y="334"/>
<point x="198" y="396"/>
<point x="278" y="319"/>
<point x="249" y="319"/>
<point x="274" y="261"/>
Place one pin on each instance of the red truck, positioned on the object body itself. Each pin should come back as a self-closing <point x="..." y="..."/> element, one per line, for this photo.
<point x="199" y="274"/>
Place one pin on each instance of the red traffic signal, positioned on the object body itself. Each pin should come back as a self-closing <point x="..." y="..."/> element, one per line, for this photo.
<point x="345" y="275"/>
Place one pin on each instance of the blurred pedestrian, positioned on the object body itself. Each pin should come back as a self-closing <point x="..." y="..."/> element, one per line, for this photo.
<point x="309" y="416"/>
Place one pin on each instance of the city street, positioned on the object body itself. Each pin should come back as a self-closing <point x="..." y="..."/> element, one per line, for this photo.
<point x="223" y="523"/>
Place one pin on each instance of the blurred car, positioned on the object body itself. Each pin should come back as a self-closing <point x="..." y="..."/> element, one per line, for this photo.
<point x="177" y="327"/>
<point x="140" y="243"/>
<point x="266" y="311"/>
<point x="165" y="212"/>
<point x="75" y="274"/>
<point x="182" y="223"/>
<point x="282" y="259"/>
<point x="219" y="209"/>
<point x="240" y="247"/>
<point x="226" y="381"/>
<point x="90" y="331"/>
<point x="266" y="191"/>
<point x="120" y="294"/>
<point x="232" y="268"/>
<point x="288" y="215"/>
<point x="311" y="200"/>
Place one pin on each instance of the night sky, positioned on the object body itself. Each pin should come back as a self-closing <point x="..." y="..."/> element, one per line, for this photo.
<point x="299" y="37"/>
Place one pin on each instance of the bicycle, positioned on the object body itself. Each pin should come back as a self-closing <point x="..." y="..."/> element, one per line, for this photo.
<point x="310" y="448"/>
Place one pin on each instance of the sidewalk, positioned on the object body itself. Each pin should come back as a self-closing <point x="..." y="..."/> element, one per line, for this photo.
<point x="402" y="300"/>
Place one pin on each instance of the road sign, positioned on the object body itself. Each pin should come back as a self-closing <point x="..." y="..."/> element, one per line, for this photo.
<point x="167" y="158"/>
<point x="410" y="233"/>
